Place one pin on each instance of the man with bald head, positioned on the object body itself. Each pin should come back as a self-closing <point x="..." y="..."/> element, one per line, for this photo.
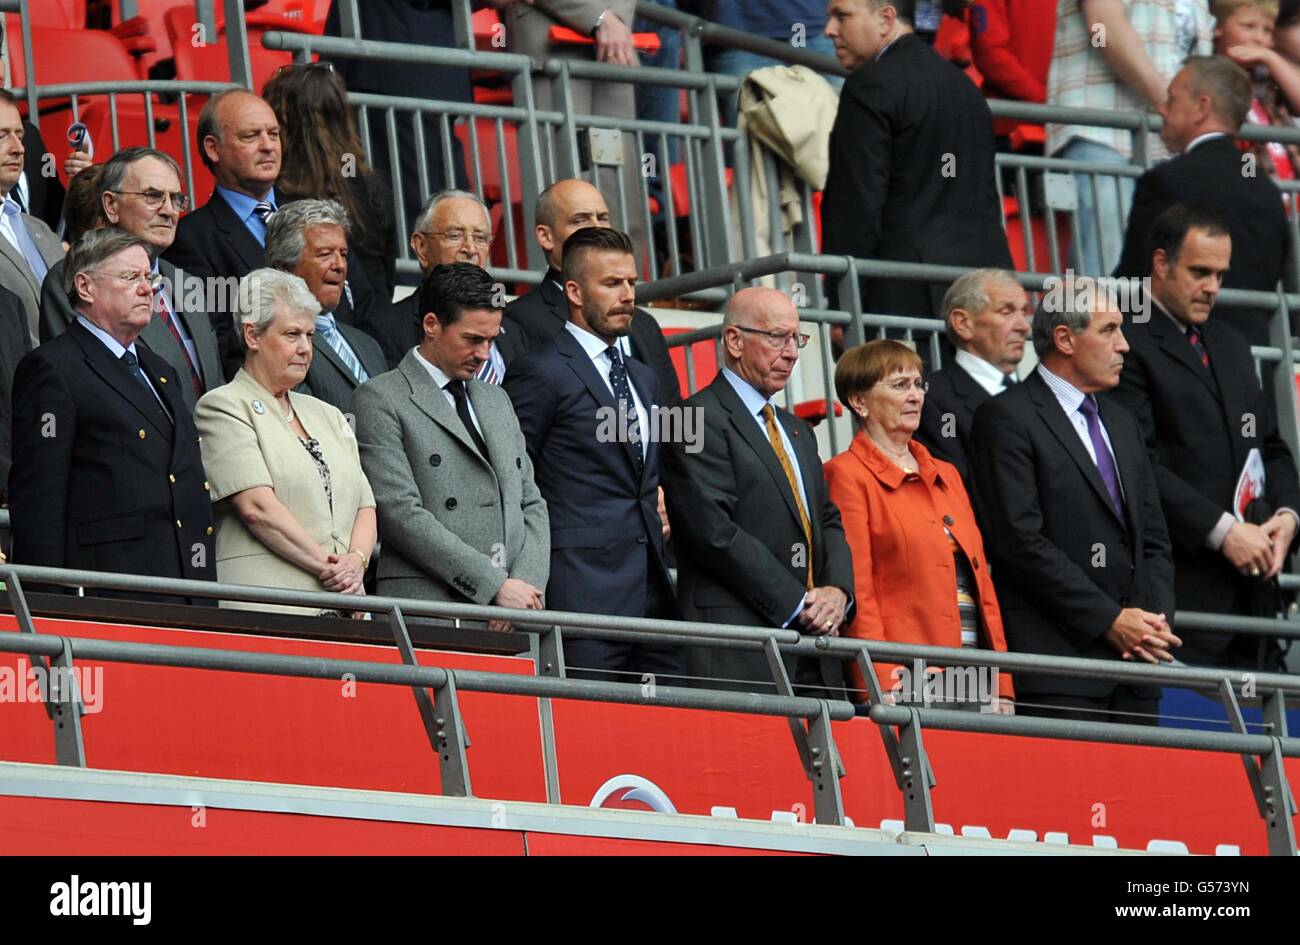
<point x="239" y="142"/>
<point x="759" y="542"/>
<point x="453" y="226"/>
<point x="562" y="208"/>
<point x="1070" y="512"/>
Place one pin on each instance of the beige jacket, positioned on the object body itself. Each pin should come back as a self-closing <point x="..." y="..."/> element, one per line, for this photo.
<point x="247" y="443"/>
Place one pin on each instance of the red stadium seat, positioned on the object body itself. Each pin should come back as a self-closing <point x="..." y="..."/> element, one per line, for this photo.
<point x="491" y="166"/>
<point x="65" y="56"/>
<point x="210" y="61"/>
<point x="704" y="355"/>
<point x="1038" y="226"/>
<point x="49" y="14"/>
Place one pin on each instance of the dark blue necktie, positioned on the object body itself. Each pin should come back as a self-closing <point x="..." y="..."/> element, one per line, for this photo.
<point x="132" y="364"/>
<point x="626" y="405"/>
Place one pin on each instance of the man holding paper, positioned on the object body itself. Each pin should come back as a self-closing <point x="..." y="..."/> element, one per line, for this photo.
<point x="1227" y="480"/>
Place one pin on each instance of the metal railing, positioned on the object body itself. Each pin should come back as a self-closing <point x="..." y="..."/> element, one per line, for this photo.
<point x="900" y="728"/>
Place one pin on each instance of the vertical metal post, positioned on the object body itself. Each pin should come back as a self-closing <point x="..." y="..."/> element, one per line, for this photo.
<point x="530" y="161"/>
<point x="549" y="653"/>
<point x="826" y="771"/>
<point x="65" y="710"/>
<point x="423" y="703"/>
<point x="1284" y="391"/>
<point x="717" y="251"/>
<point x="452" y="740"/>
<point x="349" y="19"/>
<point x="918" y="812"/>
<point x="463" y="24"/>
<point x="241" y="70"/>
<point x="29" y="62"/>
<point x="850" y="300"/>
<point x="570" y="165"/>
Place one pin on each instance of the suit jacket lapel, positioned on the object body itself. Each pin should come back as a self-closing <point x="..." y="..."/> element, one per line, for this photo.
<point x="237" y="235"/>
<point x="582" y="365"/>
<point x="197" y="324"/>
<point x="433" y="402"/>
<point x="966" y="387"/>
<point x="1174" y="343"/>
<point x="1050" y="409"/>
<point x="155" y="369"/>
<point x="362" y="352"/>
<point x="103" y="363"/>
<point x="19" y="262"/>
<point x="1235" y="392"/>
<point x="556" y="304"/>
<point x="749" y="430"/>
<point x="323" y="349"/>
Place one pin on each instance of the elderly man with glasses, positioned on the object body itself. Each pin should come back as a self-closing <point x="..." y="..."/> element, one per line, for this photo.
<point x="453" y="227"/>
<point x="140" y="193"/>
<point x="107" y="473"/>
<point x="759" y="542"/>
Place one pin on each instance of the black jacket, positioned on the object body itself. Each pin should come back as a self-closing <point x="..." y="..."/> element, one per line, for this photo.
<point x="14" y="343"/>
<point x="604" y="516"/>
<point x="542" y="313"/>
<point x="1064" y="564"/>
<point x="737" y="531"/>
<point x="101" y="479"/>
<point x="1199" y="425"/>
<point x="398" y="329"/>
<point x="911" y="174"/>
<point x="45" y="195"/>
<point x="947" y="415"/>
<point x="1212" y="174"/>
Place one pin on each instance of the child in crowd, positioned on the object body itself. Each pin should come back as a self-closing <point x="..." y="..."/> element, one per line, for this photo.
<point x="1244" y="32"/>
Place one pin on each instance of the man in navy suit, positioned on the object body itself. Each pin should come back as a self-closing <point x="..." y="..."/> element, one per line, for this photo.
<point x="588" y="412"/>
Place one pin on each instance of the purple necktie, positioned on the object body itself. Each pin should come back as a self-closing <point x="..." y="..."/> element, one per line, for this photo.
<point x="1105" y="462"/>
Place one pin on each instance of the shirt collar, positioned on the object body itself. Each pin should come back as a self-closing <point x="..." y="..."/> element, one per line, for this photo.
<point x="594" y="346"/>
<point x="325" y="322"/>
<point x="1069" y="396"/>
<point x="435" y="372"/>
<point x="1169" y="315"/>
<point x="243" y="204"/>
<point x="1201" y="139"/>
<point x="109" y="341"/>
<point x="751" y="398"/>
<point x="982" y="372"/>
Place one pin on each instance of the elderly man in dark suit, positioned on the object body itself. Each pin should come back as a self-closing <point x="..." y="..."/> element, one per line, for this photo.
<point x="759" y="542"/>
<point x="987" y="315"/>
<point x="911" y="157"/>
<point x="459" y="512"/>
<point x="107" y="474"/>
<point x="562" y="208"/>
<point x="1190" y="380"/>
<point x="1208" y="101"/>
<point x="310" y="239"/>
<point x="239" y="142"/>
<point x="453" y="226"/>
<point x="140" y="192"/>
<point x="1069" y="504"/>
<point x="590" y="419"/>
<point x="28" y="248"/>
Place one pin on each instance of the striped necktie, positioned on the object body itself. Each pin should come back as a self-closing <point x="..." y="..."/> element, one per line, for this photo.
<point x="264" y="211"/>
<point x="334" y="338"/>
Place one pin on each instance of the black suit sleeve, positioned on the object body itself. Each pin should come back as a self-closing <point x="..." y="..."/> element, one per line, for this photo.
<point x="1157" y="555"/>
<point x="838" y="570"/>
<point x="1150" y="199"/>
<point x="932" y="432"/>
<point x="860" y="161"/>
<point x="45" y="427"/>
<point x="1005" y="472"/>
<point x="700" y="494"/>
<point x="1189" y="514"/>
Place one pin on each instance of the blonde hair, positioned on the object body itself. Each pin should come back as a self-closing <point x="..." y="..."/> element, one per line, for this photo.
<point x="1223" y="9"/>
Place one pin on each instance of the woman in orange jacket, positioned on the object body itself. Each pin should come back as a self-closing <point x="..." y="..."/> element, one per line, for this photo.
<point x="920" y="572"/>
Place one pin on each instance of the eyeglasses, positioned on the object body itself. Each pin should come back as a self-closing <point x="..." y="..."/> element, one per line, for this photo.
<point x="903" y="385"/>
<point x="456" y="237"/>
<point x="151" y="279"/>
<point x="778" y="339"/>
<point x="153" y="199"/>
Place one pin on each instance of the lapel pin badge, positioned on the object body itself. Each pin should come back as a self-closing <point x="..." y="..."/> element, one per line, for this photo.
<point x="258" y="407"/>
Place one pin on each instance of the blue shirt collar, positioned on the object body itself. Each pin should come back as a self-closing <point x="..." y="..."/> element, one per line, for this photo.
<point x="111" y="343"/>
<point x="750" y="397"/>
<point x="243" y="204"/>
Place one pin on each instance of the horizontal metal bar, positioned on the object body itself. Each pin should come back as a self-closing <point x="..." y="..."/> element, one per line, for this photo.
<point x="142" y="86"/>
<point x="331" y="46"/>
<point x="1149" y="736"/>
<point x="641" y="75"/>
<point x="398" y="674"/>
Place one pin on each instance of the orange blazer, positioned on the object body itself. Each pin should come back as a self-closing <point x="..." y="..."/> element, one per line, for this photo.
<point x="905" y="579"/>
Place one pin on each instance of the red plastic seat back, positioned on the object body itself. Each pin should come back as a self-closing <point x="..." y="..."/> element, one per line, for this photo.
<point x="705" y="355"/>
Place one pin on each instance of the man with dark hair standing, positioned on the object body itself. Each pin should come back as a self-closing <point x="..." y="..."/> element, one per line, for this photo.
<point x="460" y="515"/>
<point x="911" y="158"/>
<point x="1208" y="101"/>
<point x="588" y="415"/>
<point x="107" y="474"/>
<point x="1069" y="504"/>
<point x="562" y="208"/>
<point x="1190" y="382"/>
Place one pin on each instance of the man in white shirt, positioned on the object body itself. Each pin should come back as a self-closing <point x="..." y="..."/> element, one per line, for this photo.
<point x="987" y="316"/>
<point x="588" y="413"/>
<point x="28" y="248"/>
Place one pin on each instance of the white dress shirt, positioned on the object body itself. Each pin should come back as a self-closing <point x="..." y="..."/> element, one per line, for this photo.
<point x="442" y="380"/>
<point x="1071" y="399"/>
<point x="982" y="372"/>
<point x="117" y="350"/>
<point x="595" y="348"/>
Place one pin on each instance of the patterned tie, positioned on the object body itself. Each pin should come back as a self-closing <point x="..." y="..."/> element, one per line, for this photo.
<point x="1194" y="337"/>
<point x="626" y="405"/>
<point x="169" y="319"/>
<point x="457" y="390"/>
<point x="334" y="338"/>
<point x="1105" y="462"/>
<point x="487" y="372"/>
<point x="774" y="437"/>
<point x="35" y="261"/>
<point x="264" y="211"/>
<point x="132" y="364"/>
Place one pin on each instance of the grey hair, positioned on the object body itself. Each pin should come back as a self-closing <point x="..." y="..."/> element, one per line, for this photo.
<point x="431" y="207"/>
<point x="970" y="293"/>
<point x="284" y="234"/>
<point x="91" y="249"/>
<point x="1069" y="302"/>
<point x="113" y="175"/>
<point x="265" y="293"/>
